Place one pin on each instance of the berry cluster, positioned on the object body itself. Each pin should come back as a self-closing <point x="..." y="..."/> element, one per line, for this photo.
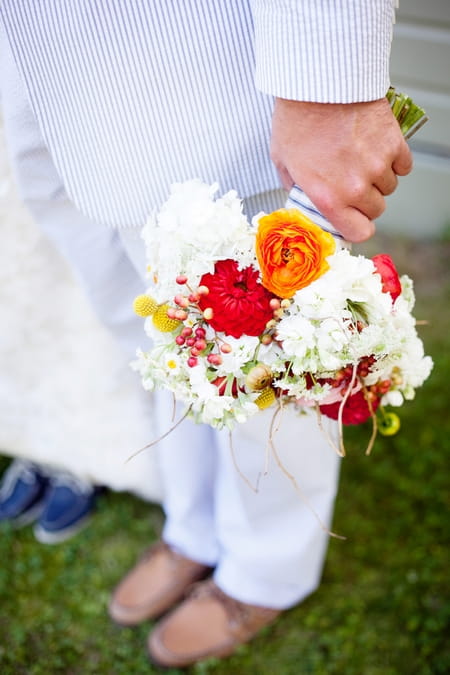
<point x="343" y="378"/>
<point x="191" y="305"/>
<point x="193" y="337"/>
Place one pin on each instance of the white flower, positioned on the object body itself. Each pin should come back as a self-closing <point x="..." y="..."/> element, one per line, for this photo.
<point x="332" y="344"/>
<point x="297" y="335"/>
<point x="242" y="352"/>
<point x="393" y="398"/>
<point x="191" y="232"/>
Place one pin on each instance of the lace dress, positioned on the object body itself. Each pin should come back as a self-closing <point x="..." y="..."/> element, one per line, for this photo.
<point x="67" y="395"/>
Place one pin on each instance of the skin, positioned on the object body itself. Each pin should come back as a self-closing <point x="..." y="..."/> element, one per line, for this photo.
<point x="346" y="157"/>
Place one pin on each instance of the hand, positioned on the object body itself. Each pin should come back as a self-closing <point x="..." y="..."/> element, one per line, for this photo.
<point x="346" y="157"/>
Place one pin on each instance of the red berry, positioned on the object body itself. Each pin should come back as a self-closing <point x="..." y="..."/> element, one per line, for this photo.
<point x="192" y="361"/>
<point x="181" y="279"/>
<point x="187" y="331"/>
<point x="180" y="340"/>
<point x="190" y="342"/>
<point x="200" y="332"/>
<point x="171" y="312"/>
<point x="200" y="345"/>
<point x="384" y="386"/>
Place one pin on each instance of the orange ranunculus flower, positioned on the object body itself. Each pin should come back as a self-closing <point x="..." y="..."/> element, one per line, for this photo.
<point x="291" y="251"/>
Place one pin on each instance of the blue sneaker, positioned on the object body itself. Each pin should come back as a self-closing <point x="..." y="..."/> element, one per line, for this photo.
<point x="22" y="493"/>
<point x="68" y="506"/>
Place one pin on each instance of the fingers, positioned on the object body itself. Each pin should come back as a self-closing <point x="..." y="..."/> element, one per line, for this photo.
<point x="285" y="177"/>
<point x="353" y="225"/>
<point x="403" y="162"/>
<point x="351" y="212"/>
<point x="349" y="208"/>
<point x="386" y="183"/>
<point x="370" y="202"/>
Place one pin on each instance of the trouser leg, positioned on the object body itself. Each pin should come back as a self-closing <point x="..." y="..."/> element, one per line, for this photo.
<point x="271" y="543"/>
<point x="188" y="464"/>
<point x="274" y="540"/>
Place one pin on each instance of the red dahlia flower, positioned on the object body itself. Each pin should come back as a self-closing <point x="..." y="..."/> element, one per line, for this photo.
<point x="240" y="304"/>
<point x="356" y="409"/>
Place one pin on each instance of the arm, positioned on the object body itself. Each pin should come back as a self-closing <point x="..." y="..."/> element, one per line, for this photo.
<point x="333" y="133"/>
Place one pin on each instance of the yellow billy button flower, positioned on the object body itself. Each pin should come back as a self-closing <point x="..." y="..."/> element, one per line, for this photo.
<point x="266" y="398"/>
<point x="144" y="305"/>
<point x="162" y="322"/>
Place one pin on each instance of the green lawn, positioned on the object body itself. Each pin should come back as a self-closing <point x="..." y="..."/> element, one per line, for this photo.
<point x="383" y="605"/>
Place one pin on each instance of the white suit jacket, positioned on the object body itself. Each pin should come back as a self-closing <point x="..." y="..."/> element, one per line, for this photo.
<point x="133" y="95"/>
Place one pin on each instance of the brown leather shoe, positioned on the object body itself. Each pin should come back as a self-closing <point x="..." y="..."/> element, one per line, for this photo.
<point x="208" y="623"/>
<point x="154" y="585"/>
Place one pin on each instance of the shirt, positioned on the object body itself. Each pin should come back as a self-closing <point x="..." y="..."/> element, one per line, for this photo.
<point x="132" y="95"/>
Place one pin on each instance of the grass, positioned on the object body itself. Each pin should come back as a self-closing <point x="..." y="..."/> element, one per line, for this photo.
<point x="383" y="606"/>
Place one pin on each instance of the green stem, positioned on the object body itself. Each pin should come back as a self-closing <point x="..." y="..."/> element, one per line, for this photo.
<point x="410" y="116"/>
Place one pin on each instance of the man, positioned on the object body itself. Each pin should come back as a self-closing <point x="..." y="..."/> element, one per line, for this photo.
<point x="131" y="97"/>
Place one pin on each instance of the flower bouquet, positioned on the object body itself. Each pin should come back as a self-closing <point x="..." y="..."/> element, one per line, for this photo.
<point x="244" y="316"/>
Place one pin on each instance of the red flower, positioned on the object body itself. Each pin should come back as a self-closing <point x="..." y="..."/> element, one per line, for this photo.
<point x="240" y="304"/>
<point x="356" y="409"/>
<point x="221" y="384"/>
<point x="389" y="276"/>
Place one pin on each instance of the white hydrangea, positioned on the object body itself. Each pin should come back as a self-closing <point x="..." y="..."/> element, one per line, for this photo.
<point x="191" y="232"/>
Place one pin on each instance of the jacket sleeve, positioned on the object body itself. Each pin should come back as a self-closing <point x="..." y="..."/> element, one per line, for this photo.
<point x="324" y="51"/>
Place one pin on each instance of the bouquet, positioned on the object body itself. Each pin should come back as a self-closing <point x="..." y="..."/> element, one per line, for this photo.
<point x="244" y="316"/>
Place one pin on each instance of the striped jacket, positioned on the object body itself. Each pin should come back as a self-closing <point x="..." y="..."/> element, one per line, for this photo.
<point x="133" y="95"/>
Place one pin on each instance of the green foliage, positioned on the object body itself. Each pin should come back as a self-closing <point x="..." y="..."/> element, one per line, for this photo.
<point x="410" y="116"/>
<point x="382" y="607"/>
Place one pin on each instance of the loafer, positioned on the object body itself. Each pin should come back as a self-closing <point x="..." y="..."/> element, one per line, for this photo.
<point x="158" y="581"/>
<point x="207" y="624"/>
<point x="69" y="503"/>
<point x="22" y="493"/>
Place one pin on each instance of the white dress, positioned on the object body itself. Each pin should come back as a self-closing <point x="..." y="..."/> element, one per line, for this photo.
<point x="67" y="395"/>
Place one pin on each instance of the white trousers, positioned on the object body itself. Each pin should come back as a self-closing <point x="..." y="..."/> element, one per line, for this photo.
<point x="267" y="542"/>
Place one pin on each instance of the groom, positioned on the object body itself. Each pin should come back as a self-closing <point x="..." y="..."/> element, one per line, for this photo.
<point x="127" y="98"/>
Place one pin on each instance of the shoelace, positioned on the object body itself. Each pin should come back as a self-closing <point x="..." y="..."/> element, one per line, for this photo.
<point x="238" y="613"/>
